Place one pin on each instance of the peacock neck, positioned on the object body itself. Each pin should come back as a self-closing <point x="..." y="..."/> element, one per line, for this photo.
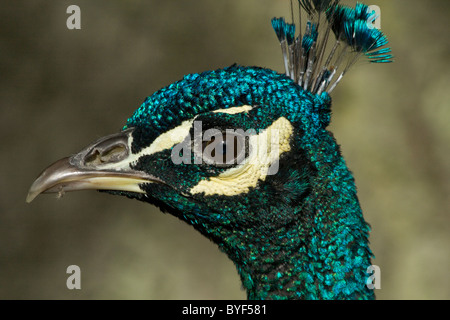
<point x="309" y="243"/>
<point x="306" y="260"/>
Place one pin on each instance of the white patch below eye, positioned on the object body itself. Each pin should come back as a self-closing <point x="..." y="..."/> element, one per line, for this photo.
<point x="265" y="151"/>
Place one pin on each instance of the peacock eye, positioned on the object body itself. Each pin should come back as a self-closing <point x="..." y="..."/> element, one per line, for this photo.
<point x="223" y="148"/>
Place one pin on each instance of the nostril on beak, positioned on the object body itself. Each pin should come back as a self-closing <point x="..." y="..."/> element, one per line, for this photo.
<point x="93" y="158"/>
<point x="114" y="154"/>
<point x="107" y="150"/>
<point x="103" y="154"/>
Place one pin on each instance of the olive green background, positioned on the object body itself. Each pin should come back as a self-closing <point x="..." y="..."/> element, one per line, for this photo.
<point x="61" y="89"/>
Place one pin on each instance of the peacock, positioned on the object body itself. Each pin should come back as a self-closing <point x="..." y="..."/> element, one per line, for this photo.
<point x="243" y="155"/>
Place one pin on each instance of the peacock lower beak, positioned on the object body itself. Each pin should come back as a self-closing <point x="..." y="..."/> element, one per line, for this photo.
<point x="103" y="165"/>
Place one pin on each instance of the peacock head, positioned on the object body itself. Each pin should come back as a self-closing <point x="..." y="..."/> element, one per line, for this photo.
<point x="243" y="155"/>
<point x="228" y="151"/>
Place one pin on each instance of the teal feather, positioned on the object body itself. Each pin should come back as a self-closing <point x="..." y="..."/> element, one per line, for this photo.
<point x="290" y="32"/>
<point x="310" y="37"/>
<point x="278" y="26"/>
<point x="354" y="27"/>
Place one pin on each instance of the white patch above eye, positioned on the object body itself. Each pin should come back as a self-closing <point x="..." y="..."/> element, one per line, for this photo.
<point x="169" y="138"/>
<point x="235" y="110"/>
<point x="265" y="151"/>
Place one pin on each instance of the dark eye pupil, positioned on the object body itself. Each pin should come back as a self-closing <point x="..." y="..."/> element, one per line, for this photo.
<point x="222" y="149"/>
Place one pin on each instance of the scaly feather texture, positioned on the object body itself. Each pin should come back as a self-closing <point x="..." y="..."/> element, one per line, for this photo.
<point x="300" y="233"/>
<point x="288" y="215"/>
<point x="355" y="36"/>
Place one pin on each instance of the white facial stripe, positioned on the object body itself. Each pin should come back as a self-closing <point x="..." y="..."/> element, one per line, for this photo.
<point x="235" y="110"/>
<point x="168" y="139"/>
<point x="165" y="141"/>
<point x="266" y="149"/>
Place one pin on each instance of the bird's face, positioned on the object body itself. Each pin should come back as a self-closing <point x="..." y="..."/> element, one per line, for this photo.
<point x="223" y="150"/>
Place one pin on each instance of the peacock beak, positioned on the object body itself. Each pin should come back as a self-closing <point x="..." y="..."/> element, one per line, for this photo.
<point x="103" y="165"/>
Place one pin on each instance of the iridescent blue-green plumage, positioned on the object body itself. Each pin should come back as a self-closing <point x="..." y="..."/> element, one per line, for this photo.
<point x="355" y="36"/>
<point x="310" y="37"/>
<point x="295" y="233"/>
<point x="354" y="27"/>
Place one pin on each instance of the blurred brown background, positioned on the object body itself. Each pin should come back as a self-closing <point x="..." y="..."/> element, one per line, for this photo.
<point x="61" y="89"/>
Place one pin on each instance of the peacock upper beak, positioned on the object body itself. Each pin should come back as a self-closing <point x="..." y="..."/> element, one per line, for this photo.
<point x="103" y="165"/>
